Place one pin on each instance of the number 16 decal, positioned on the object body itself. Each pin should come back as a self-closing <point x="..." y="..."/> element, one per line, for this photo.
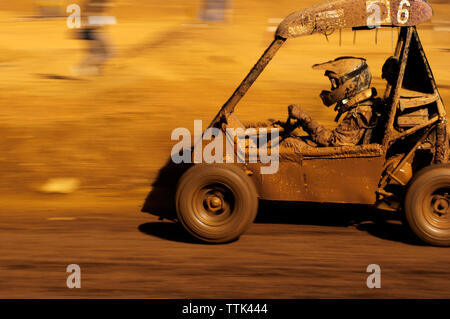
<point x="403" y="13"/>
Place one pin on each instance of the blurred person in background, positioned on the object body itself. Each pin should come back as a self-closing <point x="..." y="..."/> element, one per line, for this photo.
<point x="214" y="10"/>
<point x="92" y="31"/>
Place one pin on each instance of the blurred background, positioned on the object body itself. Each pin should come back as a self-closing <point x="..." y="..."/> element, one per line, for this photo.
<point x="165" y="64"/>
<point x="89" y="114"/>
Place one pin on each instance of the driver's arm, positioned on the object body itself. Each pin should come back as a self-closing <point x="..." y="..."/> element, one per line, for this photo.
<point x="317" y="132"/>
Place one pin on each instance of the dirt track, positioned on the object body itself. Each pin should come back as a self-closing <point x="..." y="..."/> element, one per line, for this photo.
<point x="125" y="254"/>
<point x="112" y="133"/>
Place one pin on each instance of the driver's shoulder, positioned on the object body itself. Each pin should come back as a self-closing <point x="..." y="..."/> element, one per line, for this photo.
<point x="367" y="106"/>
<point x="363" y="111"/>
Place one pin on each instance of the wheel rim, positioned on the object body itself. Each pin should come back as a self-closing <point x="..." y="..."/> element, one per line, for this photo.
<point x="436" y="207"/>
<point x="214" y="204"/>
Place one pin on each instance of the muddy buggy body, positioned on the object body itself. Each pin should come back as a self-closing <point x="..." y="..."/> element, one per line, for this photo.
<point x="404" y="169"/>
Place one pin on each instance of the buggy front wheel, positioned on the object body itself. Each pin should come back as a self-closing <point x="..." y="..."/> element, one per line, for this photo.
<point x="216" y="203"/>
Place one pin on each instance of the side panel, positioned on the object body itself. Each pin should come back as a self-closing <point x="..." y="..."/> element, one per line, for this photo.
<point x="346" y="180"/>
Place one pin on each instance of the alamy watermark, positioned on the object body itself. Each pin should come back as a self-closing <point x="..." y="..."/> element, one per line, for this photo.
<point x="234" y="145"/>
<point x="74" y="279"/>
<point x="374" y="279"/>
<point x="74" y="19"/>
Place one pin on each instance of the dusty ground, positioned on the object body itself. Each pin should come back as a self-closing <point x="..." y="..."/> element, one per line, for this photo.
<point x="112" y="134"/>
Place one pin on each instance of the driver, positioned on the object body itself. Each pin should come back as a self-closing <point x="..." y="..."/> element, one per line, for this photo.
<point x="351" y="94"/>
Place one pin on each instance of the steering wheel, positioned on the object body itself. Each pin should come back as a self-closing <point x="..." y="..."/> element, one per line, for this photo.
<point x="287" y="127"/>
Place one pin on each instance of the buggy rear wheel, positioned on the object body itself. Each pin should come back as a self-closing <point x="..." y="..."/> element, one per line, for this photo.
<point x="427" y="205"/>
<point x="216" y="203"/>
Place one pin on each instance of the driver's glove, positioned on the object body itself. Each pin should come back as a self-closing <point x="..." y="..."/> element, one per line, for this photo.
<point x="295" y="112"/>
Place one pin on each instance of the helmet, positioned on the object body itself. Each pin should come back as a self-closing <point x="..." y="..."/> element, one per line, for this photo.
<point x="348" y="76"/>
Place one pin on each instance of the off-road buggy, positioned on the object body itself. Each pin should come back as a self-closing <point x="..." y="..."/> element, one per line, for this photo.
<point x="404" y="169"/>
